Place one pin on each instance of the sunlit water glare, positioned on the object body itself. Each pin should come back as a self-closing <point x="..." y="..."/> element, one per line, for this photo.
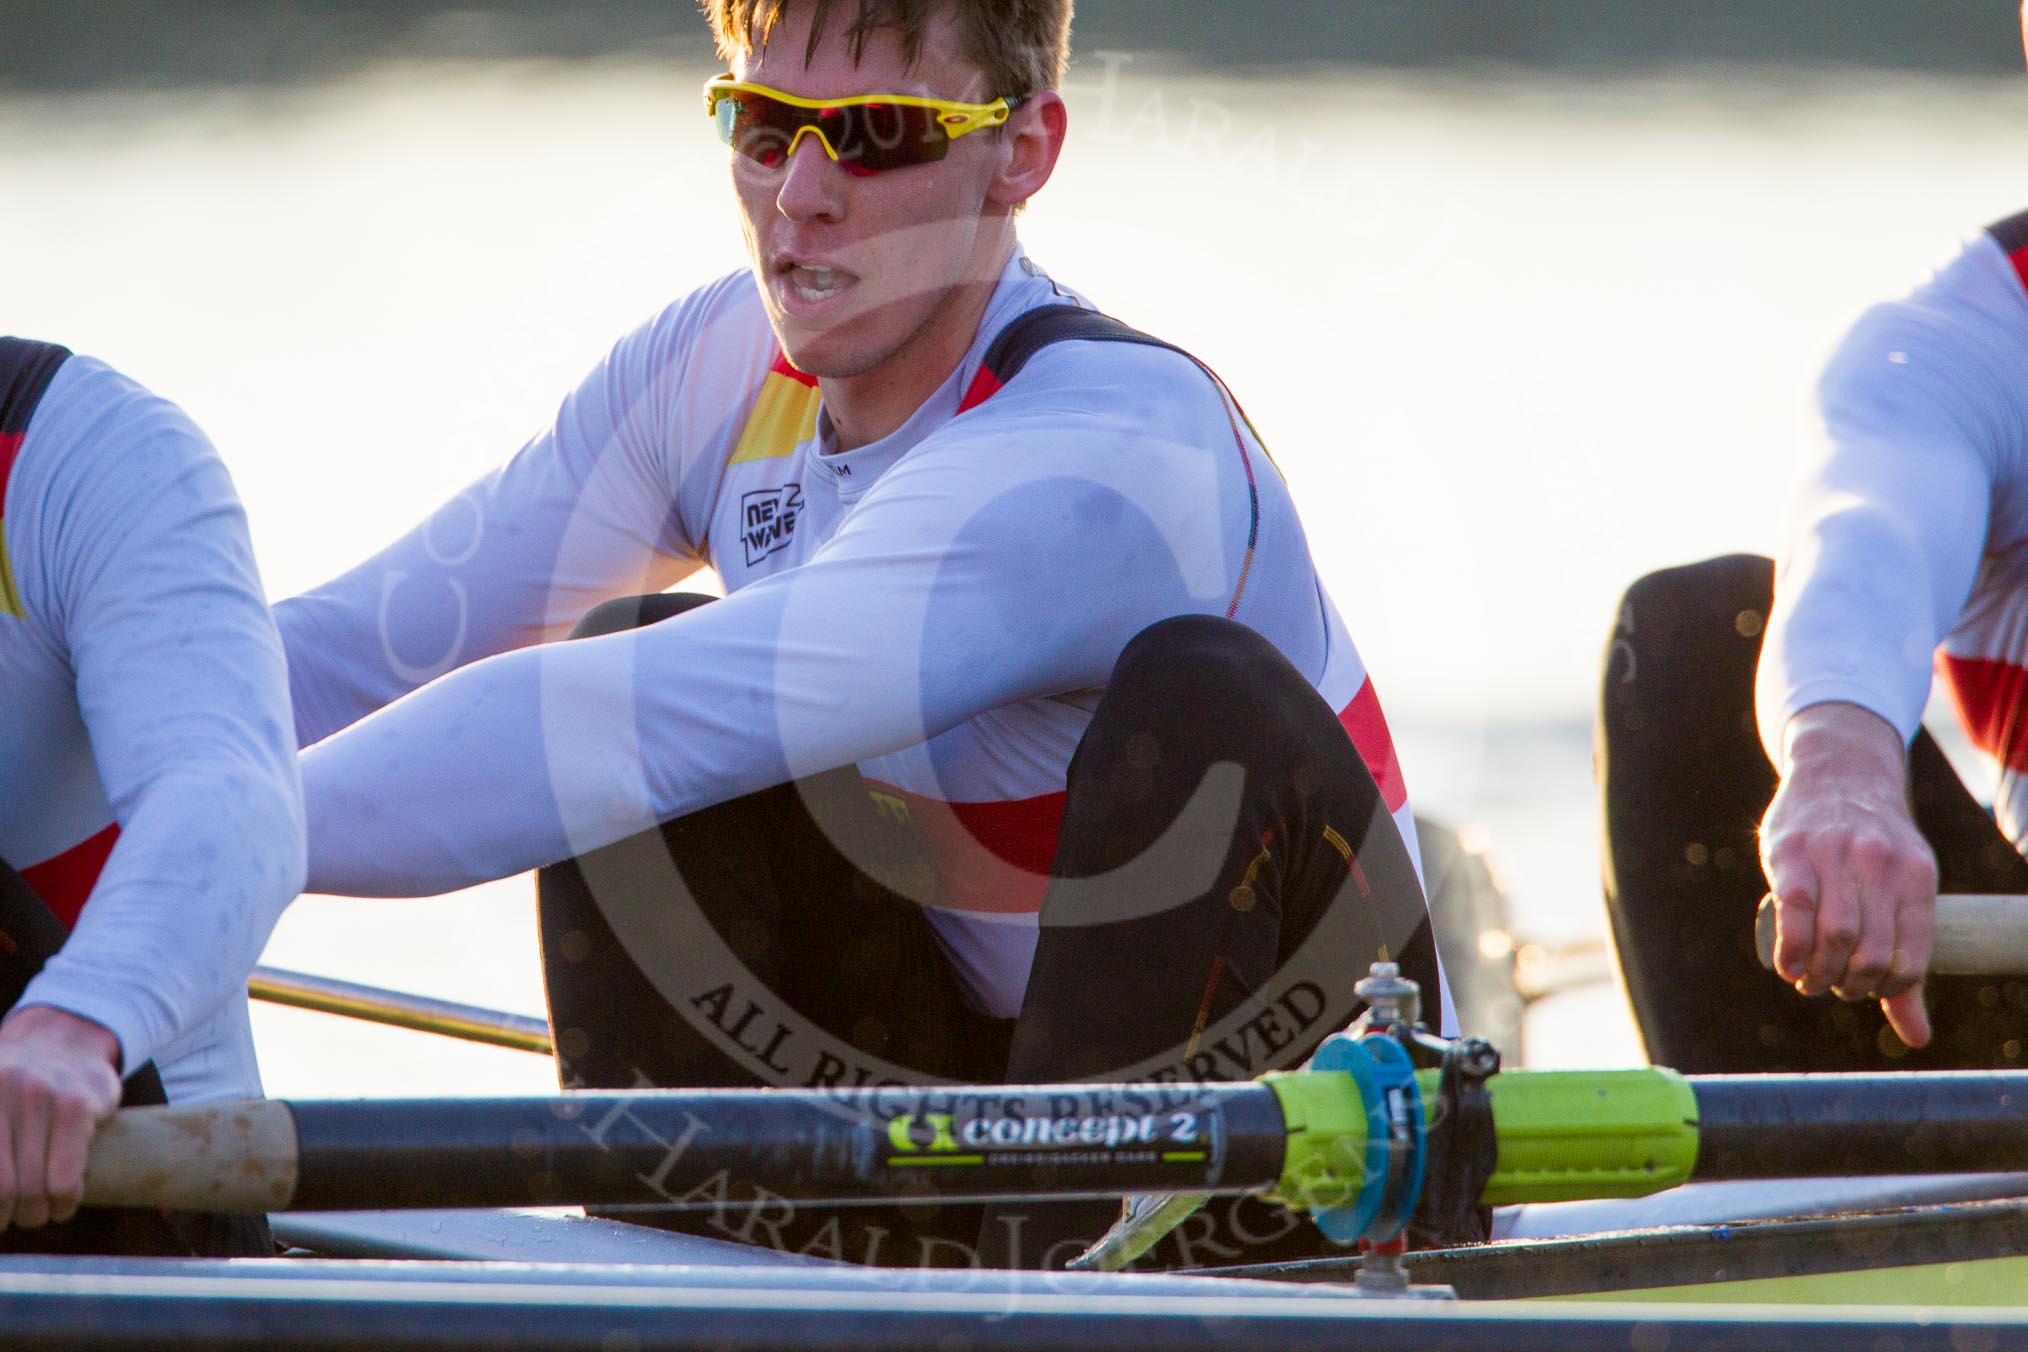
<point x="1512" y="341"/>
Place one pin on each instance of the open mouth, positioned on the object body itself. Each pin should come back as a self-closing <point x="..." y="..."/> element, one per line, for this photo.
<point x="812" y="284"/>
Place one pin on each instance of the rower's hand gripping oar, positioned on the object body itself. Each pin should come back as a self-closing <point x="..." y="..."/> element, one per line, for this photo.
<point x="1976" y="935"/>
<point x="202" y="1157"/>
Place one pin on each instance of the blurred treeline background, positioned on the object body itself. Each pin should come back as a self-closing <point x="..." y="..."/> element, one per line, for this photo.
<point x="47" y="45"/>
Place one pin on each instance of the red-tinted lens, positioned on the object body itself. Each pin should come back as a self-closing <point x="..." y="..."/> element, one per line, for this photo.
<point x="867" y="138"/>
<point x="758" y="127"/>
<point x="879" y="136"/>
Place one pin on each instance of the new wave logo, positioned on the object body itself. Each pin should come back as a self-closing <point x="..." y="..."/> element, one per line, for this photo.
<point x="767" y="518"/>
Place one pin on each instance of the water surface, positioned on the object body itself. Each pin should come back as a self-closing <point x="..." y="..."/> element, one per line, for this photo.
<point x="1513" y="341"/>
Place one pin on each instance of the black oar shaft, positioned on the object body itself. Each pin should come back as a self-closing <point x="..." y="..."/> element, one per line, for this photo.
<point x="1803" y="1126"/>
<point x="1311" y="1139"/>
<point x="709" y="1147"/>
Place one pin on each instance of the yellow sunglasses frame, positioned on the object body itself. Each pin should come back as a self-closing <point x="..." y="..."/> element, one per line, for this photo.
<point x="957" y="119"/>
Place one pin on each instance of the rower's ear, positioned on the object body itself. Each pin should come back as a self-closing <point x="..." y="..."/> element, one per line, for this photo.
<point x="1029" y="144"/>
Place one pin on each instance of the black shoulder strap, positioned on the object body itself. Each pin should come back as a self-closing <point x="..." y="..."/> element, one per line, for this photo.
<point x="2011" y="234"/>
<point x="2012" y="237"/>
<point x="26" y="369"/>
<point x="1028" y="334"/>
<point x="1040" y="327"/>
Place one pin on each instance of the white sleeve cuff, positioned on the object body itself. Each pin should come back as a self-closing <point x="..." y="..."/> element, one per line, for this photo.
<point x="128" y="1024"/>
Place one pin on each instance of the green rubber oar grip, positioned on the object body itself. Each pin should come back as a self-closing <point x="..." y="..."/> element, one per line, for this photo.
<point x="1567" y="1135"/>
<point x="1324" y="1164"/>
<point x="1563" y="1135"/>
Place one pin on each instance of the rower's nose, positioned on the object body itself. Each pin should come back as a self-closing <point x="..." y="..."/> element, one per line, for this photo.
<point x="813" y="184"/>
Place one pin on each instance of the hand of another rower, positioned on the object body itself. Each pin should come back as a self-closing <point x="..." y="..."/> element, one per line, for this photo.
<point x="58" y="1082"/>
<point x="1854" y="881"/>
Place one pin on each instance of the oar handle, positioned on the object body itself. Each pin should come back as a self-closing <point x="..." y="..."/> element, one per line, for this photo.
<point x="1976" y="935"/>
<point x="687" y="1148"/>
<point x="225" y="1156"/>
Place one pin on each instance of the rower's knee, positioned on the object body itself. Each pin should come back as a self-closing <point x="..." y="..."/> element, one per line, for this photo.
<point x="1724" y="586"/>
<point x="1680" y="632"/>
<point x="1194" y="664"/>
<point x="633" y="612"/>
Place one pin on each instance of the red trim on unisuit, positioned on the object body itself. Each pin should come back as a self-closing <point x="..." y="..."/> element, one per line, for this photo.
<point x="782" y="366"/>
<point x="1367" y="727"/>
<point x="1987" y="694"/>
<point x="1006" y="848"/>
<point x="66" y="880"/>
<point x="10" y="447"/>
<point x="984" y="386"/>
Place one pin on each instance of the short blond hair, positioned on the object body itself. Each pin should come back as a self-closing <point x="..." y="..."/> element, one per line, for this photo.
<point x="1022" y="46"/>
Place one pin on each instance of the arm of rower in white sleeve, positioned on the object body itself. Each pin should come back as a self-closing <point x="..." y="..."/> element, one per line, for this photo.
<point x="141" y="554"/>
<point x="582" y="513"/>
<point x="1889" y="528"/>
<point x="967" y="578"/>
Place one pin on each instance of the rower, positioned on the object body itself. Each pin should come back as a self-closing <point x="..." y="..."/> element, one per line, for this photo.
<point x="150" y="802"/>
<point x="1025" y="744"/>
<point x="1906" y="550"/>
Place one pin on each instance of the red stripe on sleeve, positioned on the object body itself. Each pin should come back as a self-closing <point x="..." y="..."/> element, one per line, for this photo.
<point x="66" y="880"/>
<point x="2019" y="258"/>
<point x="1987" y="695"/>
<point x="1367" y="727"/>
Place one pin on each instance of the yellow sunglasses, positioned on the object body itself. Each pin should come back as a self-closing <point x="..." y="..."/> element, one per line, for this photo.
<point x="865" y="133"/>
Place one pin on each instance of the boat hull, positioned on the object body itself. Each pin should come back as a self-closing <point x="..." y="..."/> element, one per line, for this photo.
<point x="297" y="1305"/>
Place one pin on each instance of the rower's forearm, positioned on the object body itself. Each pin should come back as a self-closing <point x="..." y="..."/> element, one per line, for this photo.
<point x="205" y="864"/>
<point x="1887" y="531"/>
<point x="446" y="788"/>
<point x="1853" y="624"/>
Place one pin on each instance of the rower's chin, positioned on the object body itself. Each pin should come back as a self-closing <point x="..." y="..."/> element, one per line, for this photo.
<point x="844" y="347"/>
<point x="817" y="336"/>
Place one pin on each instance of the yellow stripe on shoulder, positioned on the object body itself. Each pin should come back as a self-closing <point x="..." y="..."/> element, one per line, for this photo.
<point x="783" y="416"/>
<point x="10" y="599"/>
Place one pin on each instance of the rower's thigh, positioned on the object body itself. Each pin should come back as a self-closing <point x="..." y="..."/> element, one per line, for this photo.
<point x="656" y="948"/>
<point x="749" y="944"/>
<point x="1979" y="1022"/>
<point x="1224" y="848"/>
<point x="1685" y="783"/>
<point x="1227" y="869"/>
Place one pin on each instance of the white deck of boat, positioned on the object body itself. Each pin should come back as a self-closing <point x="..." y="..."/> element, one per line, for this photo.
<point x="515" y="1237"/>
<point x="1751" y="1200"/>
